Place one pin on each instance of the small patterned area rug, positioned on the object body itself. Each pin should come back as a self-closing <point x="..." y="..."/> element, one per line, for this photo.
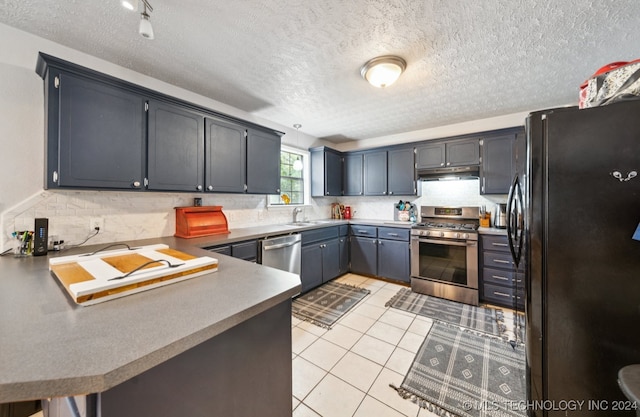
<point x="457" y="373"/>
<point x="324" y="305"/>
<point x="479" y="319"/>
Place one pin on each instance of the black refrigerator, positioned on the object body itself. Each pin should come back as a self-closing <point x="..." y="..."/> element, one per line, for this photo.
<point x="574" y="212"/>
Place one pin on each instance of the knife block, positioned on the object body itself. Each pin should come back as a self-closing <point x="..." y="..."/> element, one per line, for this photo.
<point x="200" y="221"/>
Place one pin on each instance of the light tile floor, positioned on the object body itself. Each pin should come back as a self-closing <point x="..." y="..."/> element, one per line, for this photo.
<point x="346" y="371"/>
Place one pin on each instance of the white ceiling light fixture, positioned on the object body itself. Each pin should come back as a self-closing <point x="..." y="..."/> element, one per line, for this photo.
<point x="297" y="164"/>
<point x="383" y="71"/>
<point x="145" y="28"/>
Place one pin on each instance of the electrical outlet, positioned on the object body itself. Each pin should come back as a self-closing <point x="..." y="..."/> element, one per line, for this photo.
<point x="96" y="222"/>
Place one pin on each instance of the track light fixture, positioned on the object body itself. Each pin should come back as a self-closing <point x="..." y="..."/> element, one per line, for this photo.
<point x="145" y="29"/>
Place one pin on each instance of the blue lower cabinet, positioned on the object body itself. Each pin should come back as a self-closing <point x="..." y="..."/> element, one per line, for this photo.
<point x="385" y="254"/>
<point x="364" y="255"/>
<point x="393" y="259"/>
<point x="311" y="268"/>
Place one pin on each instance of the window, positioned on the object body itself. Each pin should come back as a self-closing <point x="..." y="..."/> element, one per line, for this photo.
<point x="294" y="178"/>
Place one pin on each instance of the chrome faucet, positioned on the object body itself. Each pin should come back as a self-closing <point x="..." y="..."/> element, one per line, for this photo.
<point x="295" y="213"/>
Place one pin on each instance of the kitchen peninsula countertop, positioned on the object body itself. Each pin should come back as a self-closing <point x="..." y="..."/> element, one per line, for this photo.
<point x="52" y="347"/>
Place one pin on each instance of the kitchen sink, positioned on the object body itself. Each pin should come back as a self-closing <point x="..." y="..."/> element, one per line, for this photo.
<point x="302" y="224"/>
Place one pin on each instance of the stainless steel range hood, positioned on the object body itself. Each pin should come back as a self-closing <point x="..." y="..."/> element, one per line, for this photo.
<point x="451" y="173"/>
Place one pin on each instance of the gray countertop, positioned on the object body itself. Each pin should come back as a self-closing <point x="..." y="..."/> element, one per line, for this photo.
<point x="492" y="231"/>
<point x="49" y="346"/>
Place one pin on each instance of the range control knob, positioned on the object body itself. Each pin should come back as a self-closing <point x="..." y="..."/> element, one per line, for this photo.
<point x="465" y="236"/>
<point x="457" y="235"/>
<point x="441" y="234"/>
<point x="427" y="233"/>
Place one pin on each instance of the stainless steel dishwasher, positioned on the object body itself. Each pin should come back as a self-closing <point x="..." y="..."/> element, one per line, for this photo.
<point x="282" y="252"/>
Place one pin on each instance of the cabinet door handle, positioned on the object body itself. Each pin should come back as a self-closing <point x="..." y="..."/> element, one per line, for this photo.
<point x="136" y="184"/>
<point x="327" y="193"/>
<point x="499" y="277"/>
<point x="199" y="187"/>
<point x="384" y="193"/>
<point x="442" y="164"/>
<point x="210" y="188"/>
<point x="390" y="192"/>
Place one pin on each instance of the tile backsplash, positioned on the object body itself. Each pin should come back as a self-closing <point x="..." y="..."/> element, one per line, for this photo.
<point x="131" y="215"/>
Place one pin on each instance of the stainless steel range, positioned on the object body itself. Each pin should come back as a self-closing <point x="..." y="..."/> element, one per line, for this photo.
<point x="444" y="253"/>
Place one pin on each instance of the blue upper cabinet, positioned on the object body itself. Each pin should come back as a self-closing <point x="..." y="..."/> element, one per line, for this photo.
<point x="176" y="148"/>
<point x="390" y="172"/>
<point x="326" y="172"/>
<point x="375" y="173"/>
<point x="353" y="173"/>
<point x="445" y="154"/>
<point x="106" y="133"/>
<point x="497" y="164"/>
<point x="96" y="134"/>
<point x="226" y="157"/>
<point x="263" y="162"/>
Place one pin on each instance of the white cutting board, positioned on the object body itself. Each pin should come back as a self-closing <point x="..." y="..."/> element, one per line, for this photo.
<point x="88" y="278"/>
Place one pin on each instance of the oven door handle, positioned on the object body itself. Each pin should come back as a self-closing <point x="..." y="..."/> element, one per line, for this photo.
<point x="446" y="242"/>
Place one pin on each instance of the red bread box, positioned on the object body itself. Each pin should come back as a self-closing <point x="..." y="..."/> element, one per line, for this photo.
<point x="200" y="221"/>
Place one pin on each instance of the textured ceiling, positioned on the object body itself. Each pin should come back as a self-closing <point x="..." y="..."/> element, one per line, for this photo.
<point x="297" y="61"/>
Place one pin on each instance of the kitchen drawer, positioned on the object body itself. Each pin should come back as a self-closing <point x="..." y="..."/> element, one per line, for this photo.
<point x="495" y="243"/>
<point x="393" y="233"/>
<point x="499" y="260"/>
<point x="502" y="277"/>
<point x="503" y="296"/>
<point x="245" y="250"/>
<point x="365" y="231"/>
<point x="343" y="230"/>
<point x="316" y="235"/>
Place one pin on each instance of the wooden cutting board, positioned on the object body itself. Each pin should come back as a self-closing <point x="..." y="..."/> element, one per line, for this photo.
<point x="88" y="278"/>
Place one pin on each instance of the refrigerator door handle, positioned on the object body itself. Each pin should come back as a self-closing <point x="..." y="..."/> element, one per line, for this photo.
<point x="514" y="219"/>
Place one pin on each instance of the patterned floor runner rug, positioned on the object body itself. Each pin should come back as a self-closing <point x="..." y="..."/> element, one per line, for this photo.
<point x="457" y="373"/>
<point x="324" y="305"/>
<point x="479" y="319"/>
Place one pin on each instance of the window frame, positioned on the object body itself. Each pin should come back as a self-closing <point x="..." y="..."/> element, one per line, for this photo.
<point x="306" y="178"/>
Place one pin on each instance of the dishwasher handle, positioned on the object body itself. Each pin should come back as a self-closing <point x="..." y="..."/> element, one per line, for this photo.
<point x="279" y="245"/>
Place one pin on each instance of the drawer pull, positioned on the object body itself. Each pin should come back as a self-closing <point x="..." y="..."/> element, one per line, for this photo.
<point x="393" y="234"/>
<point x="499" y="244"/>
<point x="501" y="261"/>
<point x="501" y="294"/>
<point x="364" y="232"/>
<point x="499" y="277"/>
